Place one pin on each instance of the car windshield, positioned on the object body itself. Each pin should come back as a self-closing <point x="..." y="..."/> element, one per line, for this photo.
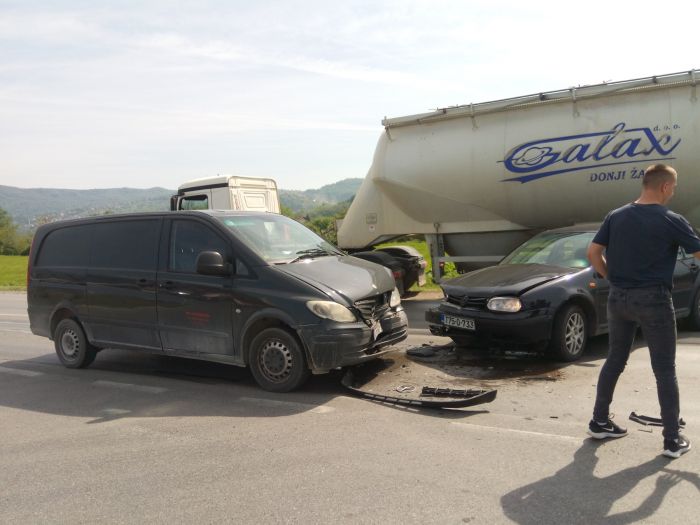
<point x="554" y="248"/>
<point x="278" y="239"/>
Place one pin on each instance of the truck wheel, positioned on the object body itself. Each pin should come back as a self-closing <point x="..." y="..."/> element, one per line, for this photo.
<point x="693" y="321"/>
<point x="277" y="361"/>
<point x="569" y="334"/>
<point x="72" y="346"/>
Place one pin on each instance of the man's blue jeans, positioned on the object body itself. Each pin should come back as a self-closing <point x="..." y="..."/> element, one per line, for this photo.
<point x="651" y="308"/>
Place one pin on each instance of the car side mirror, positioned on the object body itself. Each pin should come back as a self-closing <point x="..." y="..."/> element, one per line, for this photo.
<point x="212" y="263"/>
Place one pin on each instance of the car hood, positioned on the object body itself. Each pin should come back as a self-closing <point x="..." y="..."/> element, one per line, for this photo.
<point x="506" y="279"/>
<point x="345" y="276"/>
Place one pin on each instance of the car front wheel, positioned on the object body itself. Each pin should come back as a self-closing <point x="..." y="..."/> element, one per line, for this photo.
<point x="277" y="361"/>
<point x="569" y="334"/>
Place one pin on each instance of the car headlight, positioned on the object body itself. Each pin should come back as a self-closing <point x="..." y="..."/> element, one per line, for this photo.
<point x="504" y="304"/>
<point x="331" y="310"/>
<point x="395" y="299"/>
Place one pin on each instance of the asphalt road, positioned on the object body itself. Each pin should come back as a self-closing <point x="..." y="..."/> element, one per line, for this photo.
<point x="143" y="438"/>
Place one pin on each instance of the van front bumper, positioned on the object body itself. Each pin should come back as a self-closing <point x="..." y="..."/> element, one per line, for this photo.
<point x="333" y="345"/>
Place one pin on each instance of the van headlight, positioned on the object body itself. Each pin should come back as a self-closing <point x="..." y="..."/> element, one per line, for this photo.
<point x="331" y="310"/>
<point x="504" y="304"/>
<point x="395" y="299"/>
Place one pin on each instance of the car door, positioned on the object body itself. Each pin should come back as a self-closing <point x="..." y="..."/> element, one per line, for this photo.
<point x="121" y="282"/>
<point x="684" y="275"/>
<point x="194" y="310"/>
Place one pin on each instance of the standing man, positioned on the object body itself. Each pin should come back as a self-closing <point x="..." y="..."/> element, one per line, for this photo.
<point x="641" y="243"/>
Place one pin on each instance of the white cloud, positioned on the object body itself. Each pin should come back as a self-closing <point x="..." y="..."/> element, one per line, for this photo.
<point x="292" y="87"/>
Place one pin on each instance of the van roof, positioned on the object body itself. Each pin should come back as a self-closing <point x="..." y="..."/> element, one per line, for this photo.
<point x="146" y="214"/>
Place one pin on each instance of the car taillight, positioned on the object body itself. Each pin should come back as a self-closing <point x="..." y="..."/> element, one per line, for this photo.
<point x="397" y="274"/>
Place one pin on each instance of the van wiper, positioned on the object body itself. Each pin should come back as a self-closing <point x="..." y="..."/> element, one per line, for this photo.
<point x="310" y="254"/>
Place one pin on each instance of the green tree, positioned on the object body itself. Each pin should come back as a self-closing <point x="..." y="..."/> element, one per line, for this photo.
<point x="11" y="241"/>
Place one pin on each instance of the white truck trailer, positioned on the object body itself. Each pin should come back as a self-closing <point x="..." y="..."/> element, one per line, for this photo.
<point x="477" y="180"/>
<point x="227" y="192"/>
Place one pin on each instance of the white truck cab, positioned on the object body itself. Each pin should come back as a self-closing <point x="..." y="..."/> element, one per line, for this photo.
<point x="227" y="192"/>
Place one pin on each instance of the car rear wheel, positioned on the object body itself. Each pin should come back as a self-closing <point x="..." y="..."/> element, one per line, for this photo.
<point x="72" y="346"/>
<point x="277" y="361"/>
<point x="569" y="334"/>
<point x="694" y="317"/>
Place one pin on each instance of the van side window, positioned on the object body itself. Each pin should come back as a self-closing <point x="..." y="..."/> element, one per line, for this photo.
<point x="195" y="202"/>
<point x="129" y="245"/>
<point x="66" y="247"/>
<point x="190" y="238"/>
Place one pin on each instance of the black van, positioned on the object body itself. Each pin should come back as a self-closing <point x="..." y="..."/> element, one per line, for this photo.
<point x="243" y="288"/>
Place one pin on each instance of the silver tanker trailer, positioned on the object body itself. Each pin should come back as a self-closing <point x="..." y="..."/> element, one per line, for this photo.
<point x="477" y="180"/>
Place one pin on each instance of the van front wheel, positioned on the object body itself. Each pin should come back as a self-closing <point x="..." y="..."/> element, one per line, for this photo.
<point x="277" y="361"/>
<point x="72" y="346"/>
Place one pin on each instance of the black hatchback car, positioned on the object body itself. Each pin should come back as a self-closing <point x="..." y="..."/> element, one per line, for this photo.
<point x="545" y="296"/>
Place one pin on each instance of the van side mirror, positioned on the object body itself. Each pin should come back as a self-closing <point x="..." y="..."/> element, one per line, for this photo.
<point x="212" y="263"/>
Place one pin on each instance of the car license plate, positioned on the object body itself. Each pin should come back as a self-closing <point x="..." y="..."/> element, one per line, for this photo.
<point x="458" y="322"/>
<point x="376" y="330"/>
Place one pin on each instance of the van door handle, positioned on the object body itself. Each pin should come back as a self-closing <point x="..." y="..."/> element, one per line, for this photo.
<point x="167" y="285"/>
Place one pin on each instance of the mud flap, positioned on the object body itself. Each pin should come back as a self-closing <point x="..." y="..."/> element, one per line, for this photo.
<point x="458" y="398"/>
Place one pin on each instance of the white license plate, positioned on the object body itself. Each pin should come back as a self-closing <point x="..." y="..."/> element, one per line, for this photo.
<point x="376" y="330"/>
<point x="458" y="322"/>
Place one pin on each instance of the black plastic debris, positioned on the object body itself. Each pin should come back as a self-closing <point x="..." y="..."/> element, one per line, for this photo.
<point x="652" y="421"/>
<point x="456" y="398"/>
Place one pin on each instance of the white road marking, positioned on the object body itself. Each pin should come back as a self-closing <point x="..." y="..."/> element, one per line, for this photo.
<point x="287" y="404"/>
<point x="130" y="386"/>
<point x="516" y="431"/>
<point x="20" y="372"/>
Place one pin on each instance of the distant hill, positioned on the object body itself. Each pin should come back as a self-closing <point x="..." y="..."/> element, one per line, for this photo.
<point x="29" y="207"/>
<point x="330" y="194"/>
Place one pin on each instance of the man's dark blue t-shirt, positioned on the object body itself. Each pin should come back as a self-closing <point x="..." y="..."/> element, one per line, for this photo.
<point x="642" y="243"/>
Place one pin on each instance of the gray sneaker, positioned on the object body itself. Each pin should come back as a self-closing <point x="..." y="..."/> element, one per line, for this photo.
<point x="675" y="448"/>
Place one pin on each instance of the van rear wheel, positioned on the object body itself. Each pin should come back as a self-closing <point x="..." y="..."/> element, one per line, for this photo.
<point x="277" y="361"/>
<point x="72" y="346"/>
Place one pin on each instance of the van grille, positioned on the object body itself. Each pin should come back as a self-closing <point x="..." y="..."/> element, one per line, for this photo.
<point x="372" y="308"/>
<point x="466" y="301"/>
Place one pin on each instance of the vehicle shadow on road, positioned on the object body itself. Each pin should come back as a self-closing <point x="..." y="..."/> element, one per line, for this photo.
<point x="125" y="384"/>
<point x="575" y="495"/>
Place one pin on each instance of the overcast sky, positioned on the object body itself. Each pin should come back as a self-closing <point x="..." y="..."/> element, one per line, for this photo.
<point x="98" y="94"/>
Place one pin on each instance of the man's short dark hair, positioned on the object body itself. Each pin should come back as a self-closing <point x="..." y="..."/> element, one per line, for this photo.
<point x="657" y="174"/>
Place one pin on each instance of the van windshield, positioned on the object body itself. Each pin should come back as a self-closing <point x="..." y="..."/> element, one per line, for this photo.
<point x="278" y="239"/>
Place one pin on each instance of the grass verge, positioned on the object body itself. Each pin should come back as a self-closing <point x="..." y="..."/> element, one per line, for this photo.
<point x="13" y="272"/>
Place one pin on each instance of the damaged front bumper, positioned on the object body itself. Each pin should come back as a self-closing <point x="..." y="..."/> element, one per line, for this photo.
<point x="332" y="345"/>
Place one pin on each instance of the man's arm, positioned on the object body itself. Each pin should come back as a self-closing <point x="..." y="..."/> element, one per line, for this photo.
<point x="595" y="256"/>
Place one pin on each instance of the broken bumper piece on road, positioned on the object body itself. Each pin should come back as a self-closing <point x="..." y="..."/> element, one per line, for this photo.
<point x="430" y="397"/>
